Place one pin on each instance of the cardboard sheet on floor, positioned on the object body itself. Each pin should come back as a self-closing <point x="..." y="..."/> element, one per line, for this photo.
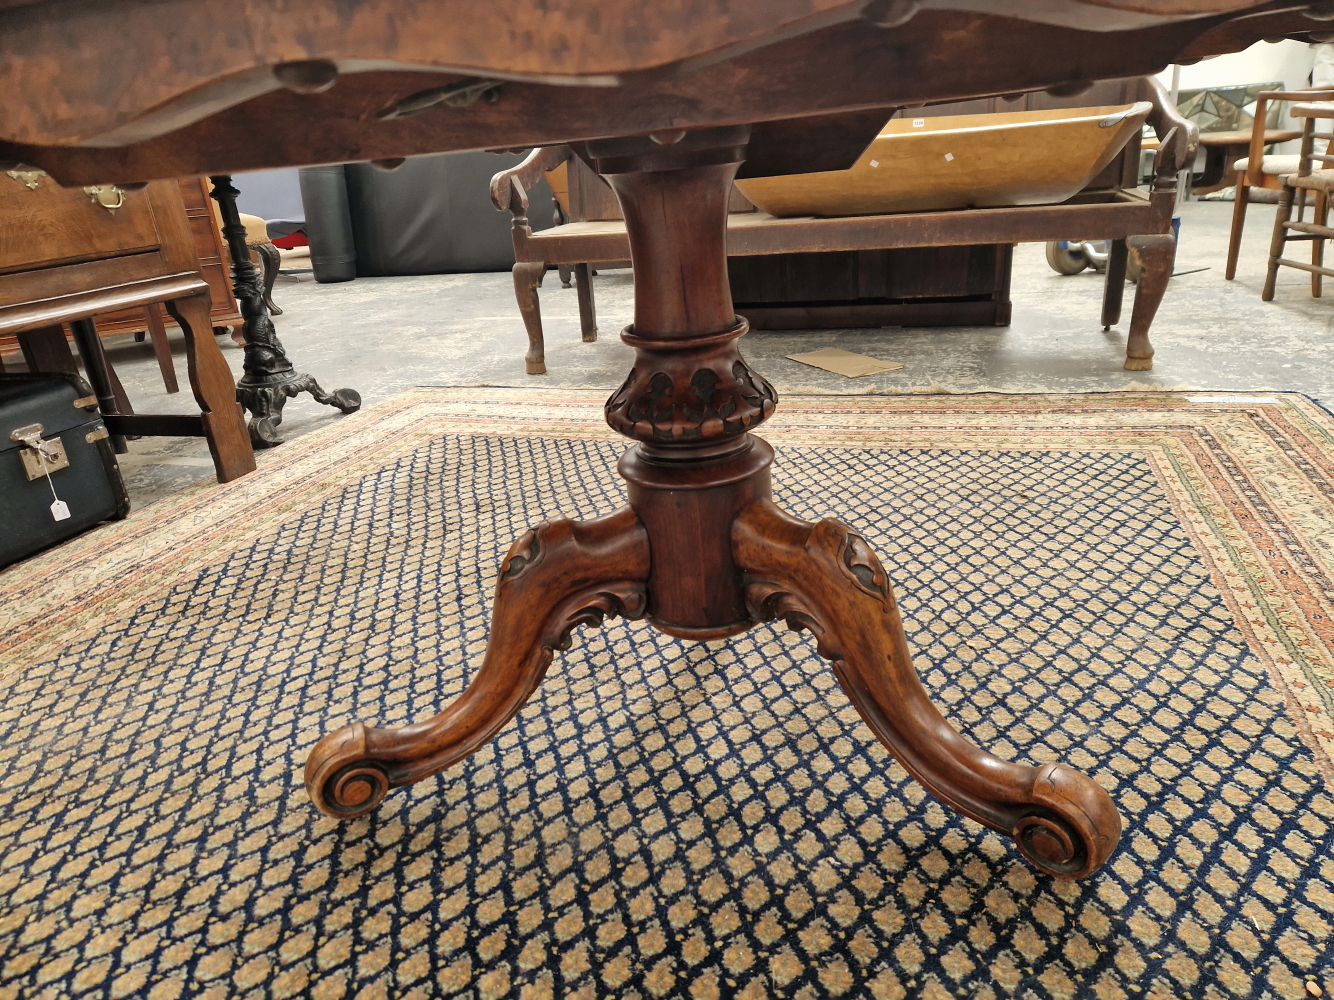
<point x="831" y="359"/>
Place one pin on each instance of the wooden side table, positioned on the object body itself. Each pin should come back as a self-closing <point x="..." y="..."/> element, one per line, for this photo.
<point x="153" y="320"/>
<point x="67" y="255"/>
<point x="700" y="549"/>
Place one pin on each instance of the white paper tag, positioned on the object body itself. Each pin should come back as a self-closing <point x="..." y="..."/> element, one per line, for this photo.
<point x="875" y="163"/>
<point x="60" y="510"/>
<point x="918" y="122"/>
<point x="948" y="157"/>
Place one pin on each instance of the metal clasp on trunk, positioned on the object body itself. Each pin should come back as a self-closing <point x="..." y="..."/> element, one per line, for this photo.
<point x="39" y="457"/>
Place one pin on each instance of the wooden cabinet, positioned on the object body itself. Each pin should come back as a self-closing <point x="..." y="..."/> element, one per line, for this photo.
<point x="43" y="224"/>
<point x="214" y="265"/>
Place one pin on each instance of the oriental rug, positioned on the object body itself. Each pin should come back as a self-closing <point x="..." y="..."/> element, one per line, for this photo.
<point x="1139" y="584"/>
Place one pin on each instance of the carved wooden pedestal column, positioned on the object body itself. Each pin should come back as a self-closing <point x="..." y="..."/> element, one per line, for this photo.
<point x="703" y="552"/>
<point x="269" y="376"/>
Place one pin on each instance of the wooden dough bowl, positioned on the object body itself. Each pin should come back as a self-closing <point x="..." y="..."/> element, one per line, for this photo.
<point x="964" y="161"/>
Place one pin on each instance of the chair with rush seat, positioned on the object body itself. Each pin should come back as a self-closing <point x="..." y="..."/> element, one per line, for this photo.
<point x="1260" y="170"/>
<point x="1295" y="186"/>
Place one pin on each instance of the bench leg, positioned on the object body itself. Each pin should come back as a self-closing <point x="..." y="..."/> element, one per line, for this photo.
<point x="1114" y="291"/>
<point x="528" y="277"/>
<point x="588" y="320"/>
<point x="1154" y="256"/>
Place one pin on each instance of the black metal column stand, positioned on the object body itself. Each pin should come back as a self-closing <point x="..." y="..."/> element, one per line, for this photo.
<point x="269" y="376"/>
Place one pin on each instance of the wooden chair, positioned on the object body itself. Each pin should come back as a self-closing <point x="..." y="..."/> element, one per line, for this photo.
<point x="1257" y="169"/>
<point x="1110" y="208"/>
<point x="509" y="190"/>
<point x="1295" y="186"/>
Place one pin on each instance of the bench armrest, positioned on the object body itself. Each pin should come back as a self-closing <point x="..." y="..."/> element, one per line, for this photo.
<point x="1163" y="119"/>
<point x="509" y="188"/>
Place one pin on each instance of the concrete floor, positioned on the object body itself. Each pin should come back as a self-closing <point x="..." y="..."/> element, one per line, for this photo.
<point x="381" y="335"/>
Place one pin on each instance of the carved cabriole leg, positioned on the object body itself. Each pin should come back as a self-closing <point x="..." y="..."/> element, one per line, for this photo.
<point x="528" y="275"/>
<point x="825" y="578"/>
<point x="1154" y="255"/>
<point x="556" y="576"/>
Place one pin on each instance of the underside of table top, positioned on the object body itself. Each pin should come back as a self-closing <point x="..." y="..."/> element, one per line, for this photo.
<point x="131" y="90"/>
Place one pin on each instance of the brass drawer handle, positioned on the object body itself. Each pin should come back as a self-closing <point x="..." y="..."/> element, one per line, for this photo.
<point x="108" y="196"/>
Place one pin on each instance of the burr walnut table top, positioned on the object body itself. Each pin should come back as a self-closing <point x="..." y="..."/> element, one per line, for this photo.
<point x="131" y="90"/>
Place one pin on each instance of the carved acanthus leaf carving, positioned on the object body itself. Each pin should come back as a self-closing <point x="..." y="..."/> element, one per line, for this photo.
<point x="626" y="599"/>
<point x="720" y="400"/>
<point x="767" y="601"/>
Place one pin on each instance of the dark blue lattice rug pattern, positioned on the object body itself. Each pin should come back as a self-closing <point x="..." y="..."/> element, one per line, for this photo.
<point x="665" y="819"/>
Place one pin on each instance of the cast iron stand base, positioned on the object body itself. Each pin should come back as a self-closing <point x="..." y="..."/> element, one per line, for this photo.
<point x="703" y="552"/>
<point x="269" y="377"/>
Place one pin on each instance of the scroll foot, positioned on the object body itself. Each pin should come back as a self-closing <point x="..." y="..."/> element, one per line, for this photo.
<point x="825" y="578"/>
<point x="264" y="397"/>
<point x="556" y="576"/>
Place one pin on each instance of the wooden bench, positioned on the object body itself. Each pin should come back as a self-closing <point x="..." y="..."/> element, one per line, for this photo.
<point x="1111" y="208"/>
